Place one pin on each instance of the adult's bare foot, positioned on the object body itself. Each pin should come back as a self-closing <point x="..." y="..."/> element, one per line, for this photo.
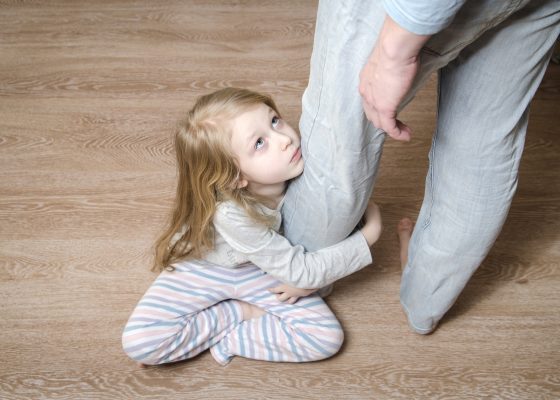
<point x="404" y="231"/>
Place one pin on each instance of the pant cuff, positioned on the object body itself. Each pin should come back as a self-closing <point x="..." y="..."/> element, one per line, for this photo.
<point x="219" y="354"/>
<point x="424" y="330"/>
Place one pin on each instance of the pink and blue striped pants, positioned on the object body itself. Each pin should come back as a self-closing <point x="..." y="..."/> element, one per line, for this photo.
<point x="196" y="307"/>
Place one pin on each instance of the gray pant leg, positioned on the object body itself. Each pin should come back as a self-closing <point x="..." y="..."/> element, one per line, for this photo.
<point x="340" y="147"/>
<point x="474" y="159"/>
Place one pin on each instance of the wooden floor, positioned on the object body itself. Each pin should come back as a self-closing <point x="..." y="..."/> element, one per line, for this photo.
<point x="89" y="92"/>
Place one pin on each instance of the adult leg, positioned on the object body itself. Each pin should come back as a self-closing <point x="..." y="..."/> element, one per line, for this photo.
<point x="484" y="96"/>
<point x="340" y="147"/>
<point x="300" y="332"/>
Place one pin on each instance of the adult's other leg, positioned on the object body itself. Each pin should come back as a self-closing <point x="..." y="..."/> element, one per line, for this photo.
<point x="484" y="95"/>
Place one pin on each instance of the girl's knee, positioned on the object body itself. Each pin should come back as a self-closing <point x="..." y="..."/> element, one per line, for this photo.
<point x="338" y="340"/>
<point x="328" y="345"/>
<point x="141" y="349"/>
<point x="137" y="352"/>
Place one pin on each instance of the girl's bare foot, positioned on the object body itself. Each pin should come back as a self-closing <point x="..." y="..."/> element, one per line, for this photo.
<point x="404" y="231"/>
<point x="251" y="311"/>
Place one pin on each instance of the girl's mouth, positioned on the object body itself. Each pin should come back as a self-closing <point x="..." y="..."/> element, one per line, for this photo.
<point x="296" y="156"/>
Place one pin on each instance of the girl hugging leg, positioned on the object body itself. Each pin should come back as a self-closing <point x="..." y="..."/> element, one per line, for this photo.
<point x="235" y="157"/>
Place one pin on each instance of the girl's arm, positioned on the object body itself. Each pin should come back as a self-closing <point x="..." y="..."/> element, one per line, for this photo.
<point x="289" y="263"/>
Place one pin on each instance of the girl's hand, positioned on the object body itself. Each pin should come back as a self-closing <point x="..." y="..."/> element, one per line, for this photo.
<point x="373" y="227"/>
<point x="290" y="294"/>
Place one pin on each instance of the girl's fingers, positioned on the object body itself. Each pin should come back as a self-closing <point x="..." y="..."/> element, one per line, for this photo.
<point x="277" y="289"/>
<point x="282" y="297"/>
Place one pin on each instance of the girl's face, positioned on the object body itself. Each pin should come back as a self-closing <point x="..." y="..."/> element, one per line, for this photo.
<point x="267" y="149"/>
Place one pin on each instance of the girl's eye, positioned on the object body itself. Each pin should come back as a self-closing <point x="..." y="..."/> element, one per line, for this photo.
<point x="275" y="121"/>
<point x="259" y="143"/>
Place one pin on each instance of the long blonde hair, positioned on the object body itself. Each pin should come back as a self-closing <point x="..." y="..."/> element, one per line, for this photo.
<point x="208" y="173"/>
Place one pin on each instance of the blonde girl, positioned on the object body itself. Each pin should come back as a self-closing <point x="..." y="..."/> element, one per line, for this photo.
<point x="229" y="281"/>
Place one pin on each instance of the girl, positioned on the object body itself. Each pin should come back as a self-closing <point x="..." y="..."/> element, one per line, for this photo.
<point x="222" y="260"/>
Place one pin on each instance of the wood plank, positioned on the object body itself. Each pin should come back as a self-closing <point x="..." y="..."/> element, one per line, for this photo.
<point x="89" y="95"/>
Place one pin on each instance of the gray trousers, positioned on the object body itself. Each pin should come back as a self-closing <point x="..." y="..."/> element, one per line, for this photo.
<point x="490" y="61"/>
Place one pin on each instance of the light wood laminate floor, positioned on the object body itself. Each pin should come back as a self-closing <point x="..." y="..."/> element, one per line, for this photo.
<point x="89" y="93"/>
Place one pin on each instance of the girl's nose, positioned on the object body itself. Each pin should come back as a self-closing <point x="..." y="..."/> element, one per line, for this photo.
<point x="285" y="141"/>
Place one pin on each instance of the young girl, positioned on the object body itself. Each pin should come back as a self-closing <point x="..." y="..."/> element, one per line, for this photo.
<point x="229" y="281"/>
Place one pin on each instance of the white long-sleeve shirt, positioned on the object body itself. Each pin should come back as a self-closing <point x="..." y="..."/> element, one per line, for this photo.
<point x="239" y="240"/>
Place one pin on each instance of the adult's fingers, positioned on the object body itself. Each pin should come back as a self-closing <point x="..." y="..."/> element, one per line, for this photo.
<point x="401" y="132"/>
<point x="371" y="113"/>
<point x="392" y="126"/>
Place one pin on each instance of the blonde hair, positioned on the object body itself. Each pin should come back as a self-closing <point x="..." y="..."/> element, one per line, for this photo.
<point x="208" y="173"/>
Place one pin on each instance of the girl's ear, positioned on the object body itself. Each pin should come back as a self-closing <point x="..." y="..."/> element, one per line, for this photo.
<point x="241" y="183"/>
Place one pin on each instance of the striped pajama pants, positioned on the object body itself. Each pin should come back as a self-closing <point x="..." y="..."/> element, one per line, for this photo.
<point x="197" y="307"/>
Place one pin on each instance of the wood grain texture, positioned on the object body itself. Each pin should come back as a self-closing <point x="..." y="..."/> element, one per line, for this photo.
<point x="89" y="93"/>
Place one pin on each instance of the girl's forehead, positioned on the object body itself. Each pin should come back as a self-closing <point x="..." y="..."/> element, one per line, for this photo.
<point x="249" y="123"/>
<point x="254" y="115"/>
<point x="254" y="108"/>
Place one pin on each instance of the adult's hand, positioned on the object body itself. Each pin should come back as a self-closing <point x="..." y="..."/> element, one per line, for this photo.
<point x="388" y="75"/>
